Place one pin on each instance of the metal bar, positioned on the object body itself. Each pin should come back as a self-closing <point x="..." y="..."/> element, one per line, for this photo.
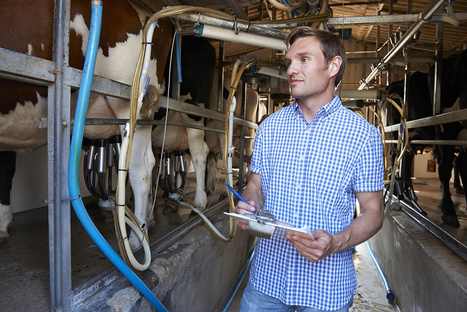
<point x="424" y="18"/>
<point x="58" y="135"/>
<point x="24" y="65"/>
<point x="201" y="112"/>
<point x="455" y="116"/>
<point x="432" y="142"/>
<point x="107" y="121"/>
<point x="451" y="242"/>
<point x="30" y="69"/>
<point x="385" y="19"/>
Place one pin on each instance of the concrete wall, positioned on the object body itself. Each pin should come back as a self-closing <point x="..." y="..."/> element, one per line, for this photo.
<point x="197" y="273"/>
<point x="423" y="274"/>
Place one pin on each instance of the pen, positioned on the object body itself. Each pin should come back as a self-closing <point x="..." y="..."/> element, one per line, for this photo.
<point x="236" y="194"/>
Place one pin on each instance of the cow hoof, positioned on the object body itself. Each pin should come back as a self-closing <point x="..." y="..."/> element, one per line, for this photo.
<point x="450" y="220"/>
<point x="4" y="236"/>
<point x="170" y="207"/>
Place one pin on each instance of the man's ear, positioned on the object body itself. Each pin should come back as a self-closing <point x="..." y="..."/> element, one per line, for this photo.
<point x="335" y="65"/>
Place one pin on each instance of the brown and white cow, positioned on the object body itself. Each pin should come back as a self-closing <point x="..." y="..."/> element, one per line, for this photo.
<point x="27" y="27"/>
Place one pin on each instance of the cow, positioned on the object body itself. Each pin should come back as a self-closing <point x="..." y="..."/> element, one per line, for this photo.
<point x="198" y="61"/>
<point x="419" y="105"/>
<point x="23" y="105"/>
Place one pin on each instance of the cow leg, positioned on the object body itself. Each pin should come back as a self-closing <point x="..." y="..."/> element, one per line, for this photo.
<point x="199" y="151"/>
<point x="7" y="171"/>
<point x="445" y="160"/>
<point x="140" y="175"/>
<point x="211" y="172"/>
<point x="462" y="168"/>
<point x="457" y="179"/>
<point x="406" y="175"/>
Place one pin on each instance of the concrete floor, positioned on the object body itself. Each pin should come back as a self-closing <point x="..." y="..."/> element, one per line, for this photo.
<point x="24" y="274"/>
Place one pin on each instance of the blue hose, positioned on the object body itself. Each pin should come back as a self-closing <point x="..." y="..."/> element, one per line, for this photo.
<point x="389" y="295"/>
<point x="179" y="57"/>
<point x="75" y="153"/>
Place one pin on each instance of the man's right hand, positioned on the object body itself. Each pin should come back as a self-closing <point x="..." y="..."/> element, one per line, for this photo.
<point x="243" y="208"/>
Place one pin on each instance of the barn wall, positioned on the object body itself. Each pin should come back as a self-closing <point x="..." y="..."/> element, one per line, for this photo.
<point x="354" y="73"/>
<point x="421" y="166"/>
<point x="29" y="188"/>
<point x="422" y="272"/>
<point x="197" y="273"/>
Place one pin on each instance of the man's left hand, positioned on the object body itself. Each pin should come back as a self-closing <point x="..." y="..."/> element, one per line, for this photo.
<point x="314" y="250"/>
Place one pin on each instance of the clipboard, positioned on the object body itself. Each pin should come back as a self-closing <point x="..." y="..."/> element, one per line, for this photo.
<point x="281" y="228"/>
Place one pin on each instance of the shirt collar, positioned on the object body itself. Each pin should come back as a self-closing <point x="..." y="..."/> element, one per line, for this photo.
<point x="325" y="110"/>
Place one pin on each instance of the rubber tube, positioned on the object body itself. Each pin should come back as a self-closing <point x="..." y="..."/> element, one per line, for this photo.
<point x="389" y="295"/>
<point x="75" y="152"/>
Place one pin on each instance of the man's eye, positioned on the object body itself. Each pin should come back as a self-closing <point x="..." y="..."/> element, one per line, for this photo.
<point x="305" y="59"/>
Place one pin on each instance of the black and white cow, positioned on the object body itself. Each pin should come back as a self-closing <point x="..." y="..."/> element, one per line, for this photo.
<point x="419" y="105"/>
<point x="27" y="27"/>
<point x="198" y="62"/>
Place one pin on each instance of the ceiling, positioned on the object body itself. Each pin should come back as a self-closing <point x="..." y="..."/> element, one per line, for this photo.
<point x="454" y="38"/>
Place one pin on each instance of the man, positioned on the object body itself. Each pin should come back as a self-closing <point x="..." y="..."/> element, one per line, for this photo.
<point x="311" y="161"/>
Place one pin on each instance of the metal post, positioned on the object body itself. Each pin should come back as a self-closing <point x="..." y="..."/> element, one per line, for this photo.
<point x="242" y="138"/>
<point x="58" y="145"/>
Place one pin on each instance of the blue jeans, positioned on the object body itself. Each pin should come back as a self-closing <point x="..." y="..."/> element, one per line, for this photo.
<point x="254" y="301"/>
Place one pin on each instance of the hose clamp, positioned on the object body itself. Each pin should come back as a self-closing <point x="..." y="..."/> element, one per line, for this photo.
<point x="235" y="26"/>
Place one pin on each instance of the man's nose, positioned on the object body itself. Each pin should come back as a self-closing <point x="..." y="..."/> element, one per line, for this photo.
<point x="292" y="69"/>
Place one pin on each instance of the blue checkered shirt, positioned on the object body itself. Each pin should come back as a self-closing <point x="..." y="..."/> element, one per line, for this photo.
<point x="309" y="174"/>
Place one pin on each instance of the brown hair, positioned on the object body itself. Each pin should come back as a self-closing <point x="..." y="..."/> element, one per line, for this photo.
<point x="331" y="46"/>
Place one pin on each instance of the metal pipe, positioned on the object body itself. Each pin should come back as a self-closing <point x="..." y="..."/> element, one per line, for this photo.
<point x="212" y="21"/>
<point x="358" y="94"/>
<point x="220" y="33"/>
<point x="423" y="18"/>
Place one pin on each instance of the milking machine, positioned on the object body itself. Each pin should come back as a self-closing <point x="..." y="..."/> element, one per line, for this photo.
<point x="100" y="158"/>
<point x="172" y="173"/>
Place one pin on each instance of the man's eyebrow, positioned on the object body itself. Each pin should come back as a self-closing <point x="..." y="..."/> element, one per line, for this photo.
<point x="304" y="53"/>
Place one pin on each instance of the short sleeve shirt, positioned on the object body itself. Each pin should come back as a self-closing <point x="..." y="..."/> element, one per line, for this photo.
<point x="310" y="173"/>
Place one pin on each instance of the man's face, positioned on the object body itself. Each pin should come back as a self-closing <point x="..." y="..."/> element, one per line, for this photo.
<point x="308" y="75"/>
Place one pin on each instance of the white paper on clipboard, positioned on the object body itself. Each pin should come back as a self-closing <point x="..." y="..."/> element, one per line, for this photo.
<point x="282" y="228"/>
